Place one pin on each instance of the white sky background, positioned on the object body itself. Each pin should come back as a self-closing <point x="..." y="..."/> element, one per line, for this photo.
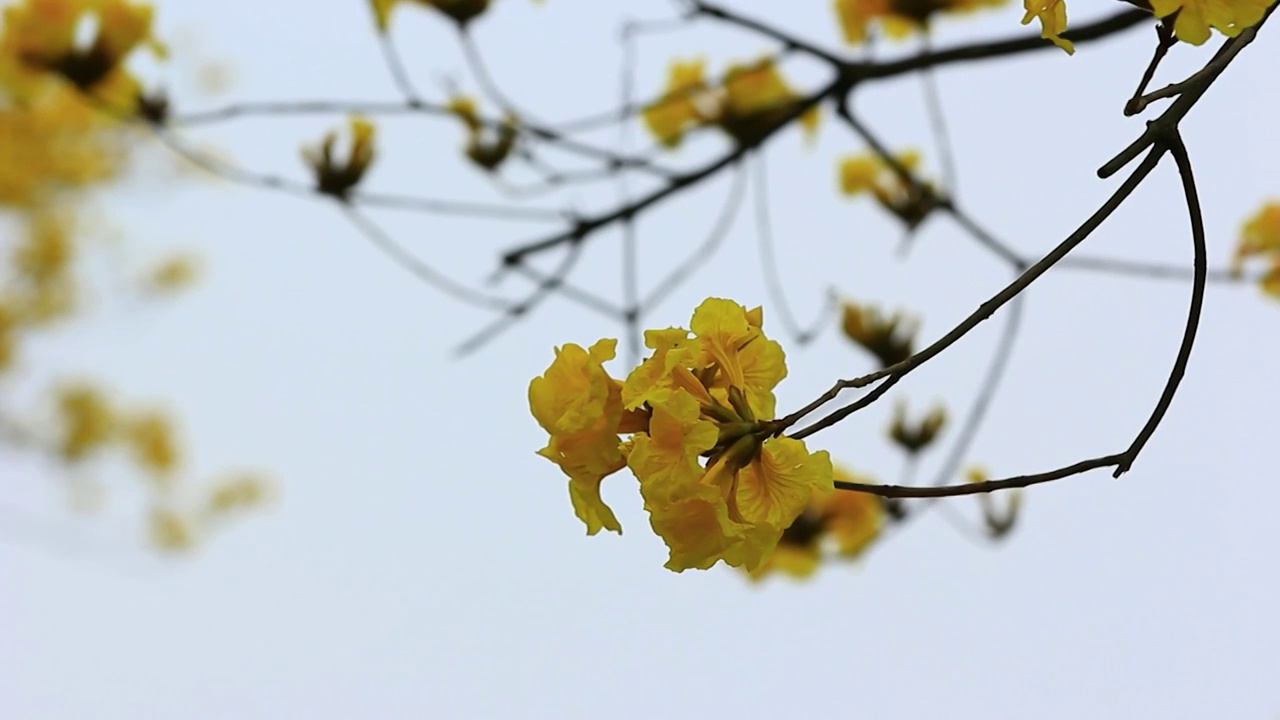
<point x="423" y="562"/>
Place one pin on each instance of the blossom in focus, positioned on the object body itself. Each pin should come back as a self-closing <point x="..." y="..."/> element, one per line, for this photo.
<point x="1053" y="20"/>
<point x="716" y="482"/>
<point x="580" y="407"/>
<point x="337" y="177"/>
<point x="1195" y="17"/>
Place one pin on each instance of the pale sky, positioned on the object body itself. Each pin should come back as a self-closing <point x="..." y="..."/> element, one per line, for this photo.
<point x="421" y="561"/>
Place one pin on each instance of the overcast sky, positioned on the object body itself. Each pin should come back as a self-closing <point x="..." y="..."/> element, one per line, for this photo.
<point x="422" y="562"/>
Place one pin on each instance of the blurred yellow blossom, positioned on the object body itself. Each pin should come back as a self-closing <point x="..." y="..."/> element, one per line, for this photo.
<point x="460" y="11"/>
<point x="334" y="177"/>
<point x="842" y="522"/>
<point x="88" y="421"/>
<point x="868" y="173"/>
<point x="40" y="37"/>
<point x="46" y="249"/>
<point x="172" y="530"/>
<point x="914" y="437"/>
<point x="751" y="101"/>
<point x="898" y="18"/>
<point x="1053" y="20"/>
<point x="236" y="493"/>
<point x="151" y="438"/>
<point x="50" y="143"/>
<point x="890" y="338"/>
<point x="1260" y="237"/>
<point x="487" y="146"/>
<point x="1195" y="17"/>
<point x="173" y="273"/>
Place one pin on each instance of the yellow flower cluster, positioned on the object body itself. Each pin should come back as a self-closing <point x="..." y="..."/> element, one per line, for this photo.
<point x="898" y="18"/>
<point x="750" y="101"/>
<point x="870" y="174"/>
<point x="716" y="482"/>
<point x="1260" y="237"/>
<point x="1192" y="19"/>
<point x="838" y="525"/>
<point x="39" y="38"/>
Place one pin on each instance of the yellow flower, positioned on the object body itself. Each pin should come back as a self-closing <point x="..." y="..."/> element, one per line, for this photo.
<point x="8" y="336"/>
<point x="744" y="357"/>
<point x="853" y="519"/>
<point x="751" y="101"/>
<point x="757" y="99"/>
<point x="460" y="11"/>
<point x="40" y="36"/>
<point x="889" y="338"/>
<point x="236" y="493"/>
<point x="50" y="142"/>
<point x="172" y="530"/>
<point x="798" y="552"/>
<point x="88" y="421"/>
<point x="487" y="147"/>
<point x="580" y="406"/>
<point x="1195" y="17"/>
<point x="173" y="273"/>
<point x="869" y="173"/>
<point x="1053" y="20"/>
<point x="1261" y="236"/>
<point x="338" y="178"/>
<point x="705" y="396"/>
<point x="898" y="18"/>
<point x="150" y="435"/>
<point x="917" y="437"/>
<point x="687" y="102"/>
<point x="46" y="250"/>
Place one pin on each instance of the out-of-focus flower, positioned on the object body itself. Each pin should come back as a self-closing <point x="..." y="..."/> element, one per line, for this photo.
<point x="487" y="146"/>
<point x="150" y="436"/>
<point x="1194" y="18"/>
<point x="40" y="36"/>
<point x="88" y="421"/>
<point x="1260" y="237"/>
<point x="172" y="530"/>
<point x="889" y="338"/>
<point x="236" y="493"/>
<point x="910" y="201"/>
<point x="172" y="274"/>
<point x="750" y="102"/>
<point x="460" y="11"/>
<point x="915" y="437"/>
<point x="898" y="18"/>
<point x="840" y="524"/>
<point x="334" y="177"/>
